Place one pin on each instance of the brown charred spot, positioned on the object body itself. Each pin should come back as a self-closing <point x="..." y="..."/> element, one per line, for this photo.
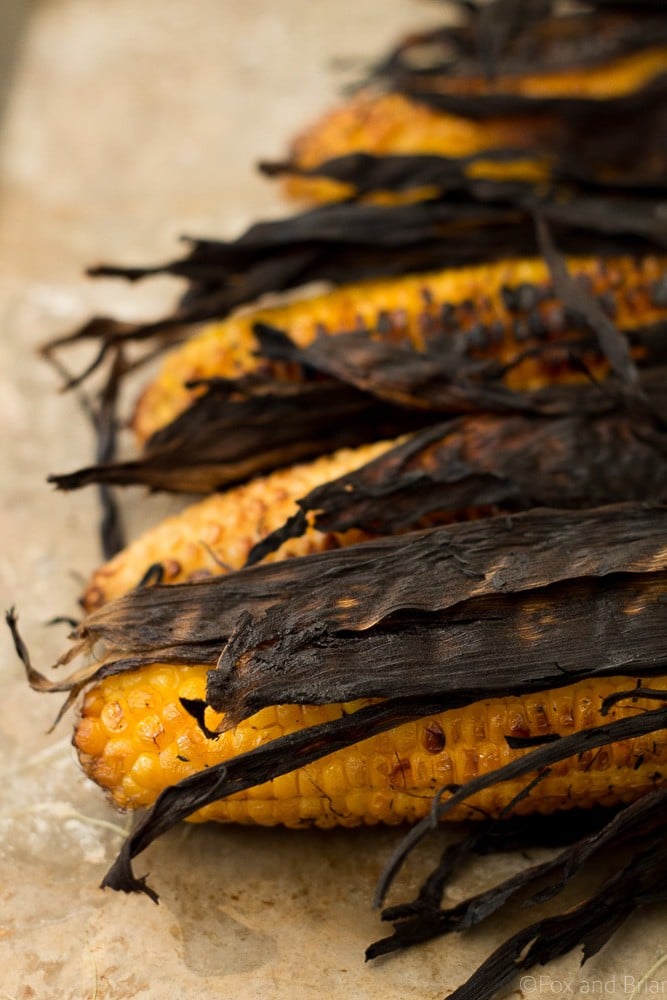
<point x="602" y="759"/>
<point x="399" y="319"/>
<point x="541" y="719"/>
<point x="614" y="276"/>
<point x="508" y="296"/>
<point x="434" y="738"/>
<point x="429" y="325"/>
<point x="566" y="717"/>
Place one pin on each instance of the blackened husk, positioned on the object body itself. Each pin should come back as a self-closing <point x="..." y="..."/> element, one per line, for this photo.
<point x="367" y="388"/>
<point x="424" y="587"/>
<point x="219" y="441"/>
<point x="640" y="879"/>
<point x="424" y="917"/>
<point x="469" y="68"/>
<point x="481" y="648"/>
<point x="592" y="151"/>
<point x="339" y="242"/>
<point x="518" y="460"/>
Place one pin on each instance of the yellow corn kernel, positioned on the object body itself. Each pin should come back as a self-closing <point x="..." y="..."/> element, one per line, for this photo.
<point x="478" y="296"/>
<point x="389" y="778"/>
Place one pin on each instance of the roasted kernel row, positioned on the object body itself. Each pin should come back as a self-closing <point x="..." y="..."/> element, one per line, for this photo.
<point x="135" y="738"/>
<point x="495" y="310"/>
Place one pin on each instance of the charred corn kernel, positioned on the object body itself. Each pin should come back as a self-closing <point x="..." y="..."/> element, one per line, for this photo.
<point x="217" y="534"/>
<point x="387" y="778"/>
<point x="494" y="309"/>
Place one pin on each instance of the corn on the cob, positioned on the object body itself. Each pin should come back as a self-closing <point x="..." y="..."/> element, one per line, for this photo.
<point x="394" y="124"/>
<point x="485" y="303"/>
<point x="135" y="738"/>
<point x="398" y="124"/>
<point x="218" y="533"/>
<point x="617" y="77"/>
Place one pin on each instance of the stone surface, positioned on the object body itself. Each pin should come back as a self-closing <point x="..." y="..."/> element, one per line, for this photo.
<point x="126" y="125"/>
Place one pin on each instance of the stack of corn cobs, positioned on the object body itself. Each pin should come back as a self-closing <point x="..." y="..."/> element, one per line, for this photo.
<point x="475" y="623"/>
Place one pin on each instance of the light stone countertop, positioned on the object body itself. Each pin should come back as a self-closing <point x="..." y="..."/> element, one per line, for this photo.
<point x="126" y="125"/>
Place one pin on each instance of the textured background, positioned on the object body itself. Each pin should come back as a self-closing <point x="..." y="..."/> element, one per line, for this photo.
<point x="125" y="125"/>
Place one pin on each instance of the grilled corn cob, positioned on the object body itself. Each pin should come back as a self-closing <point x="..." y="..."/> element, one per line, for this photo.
<point x="135" y="738"/>
<point x="497" y="308"/>
<point x="394" y="124"/>
<point x="617" y="77"/>
<point x="397" y="124"/>
<point x="216" y="535"/>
